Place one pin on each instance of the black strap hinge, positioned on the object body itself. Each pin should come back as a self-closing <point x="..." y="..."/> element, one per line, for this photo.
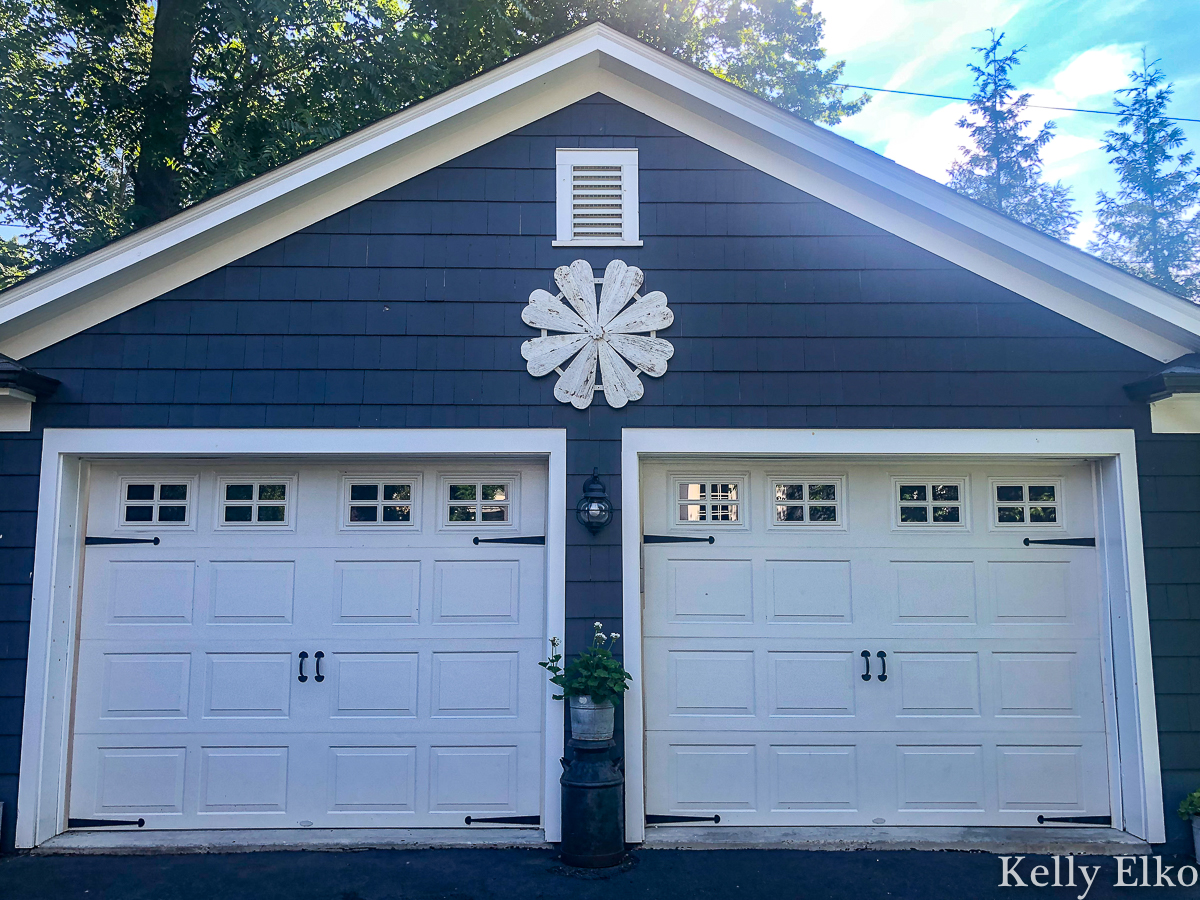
<point x="1077" y="820"/>
<point x="504" y="820"/>
<point x="539" y="539"/>
<point x="676" y="539"/>
<point x="1063" y="542"/>
<point x="104" y="823"/>
<point x="90" y="541"/>
<point x="670" y="820"/>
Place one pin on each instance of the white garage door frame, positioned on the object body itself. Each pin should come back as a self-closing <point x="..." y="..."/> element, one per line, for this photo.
<point x="1138" y="780"/>
<point x="58" y="556"/>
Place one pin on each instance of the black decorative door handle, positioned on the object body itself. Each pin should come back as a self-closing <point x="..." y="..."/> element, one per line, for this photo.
<point x="883" y="662"/>
<point x="866" y="655"/>
<point x="318" y="656"/>
<point x="302" y="677"/>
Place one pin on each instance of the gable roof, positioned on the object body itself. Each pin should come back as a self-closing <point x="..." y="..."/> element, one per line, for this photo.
<point x="595" y="59"/>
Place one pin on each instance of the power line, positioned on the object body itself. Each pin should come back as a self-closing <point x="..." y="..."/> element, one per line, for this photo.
<point x="1098" y="112"/>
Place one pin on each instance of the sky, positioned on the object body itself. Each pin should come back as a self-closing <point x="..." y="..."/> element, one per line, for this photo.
<point x="1078" y="53"/>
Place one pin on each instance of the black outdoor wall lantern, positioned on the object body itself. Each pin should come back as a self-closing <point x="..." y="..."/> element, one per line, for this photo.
<point x="594" y="510"/>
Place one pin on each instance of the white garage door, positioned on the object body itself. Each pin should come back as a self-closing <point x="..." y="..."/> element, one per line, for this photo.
<point x="757" y="646"/>
<point x="310" y="645"/>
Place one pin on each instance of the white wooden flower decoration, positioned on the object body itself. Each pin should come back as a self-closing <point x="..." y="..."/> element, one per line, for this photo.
<point x="609" y="334"/>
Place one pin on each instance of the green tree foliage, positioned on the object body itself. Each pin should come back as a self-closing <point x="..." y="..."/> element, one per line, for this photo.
<point x="1151" y="227"/>
<point x="1003" y="167"/>
<point x="116" y="113"/>
<point x="14" y="260"/>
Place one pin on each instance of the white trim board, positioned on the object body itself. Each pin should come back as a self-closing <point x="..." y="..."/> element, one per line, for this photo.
<point x="1139" y="780"/>
<point x="45" y="736"/>
<point x="594" y="59"/>
<point x="16" y="409"/>
<point x="1176" y="414"/>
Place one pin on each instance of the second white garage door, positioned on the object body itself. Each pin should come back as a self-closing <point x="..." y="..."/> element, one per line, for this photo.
<point x="873" y="644"/>
<point x="311" y="645"/>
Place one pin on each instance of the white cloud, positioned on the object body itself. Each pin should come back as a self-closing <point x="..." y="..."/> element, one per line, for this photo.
<point x="1086" y="229"/>
<point x="891" y="28"/>
<point x="1095" y="72"/>
<point x="849" y="26"/>
<point x="928" y="144"/>
<point x="1065" y="155"/>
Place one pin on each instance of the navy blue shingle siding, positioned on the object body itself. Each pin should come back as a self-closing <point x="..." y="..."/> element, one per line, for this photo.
<point x="404" y="312"/>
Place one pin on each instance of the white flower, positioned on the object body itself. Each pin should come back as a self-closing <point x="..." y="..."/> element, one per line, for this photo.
<point x="597" y="625"/>
<point x="615" y="635"/>
<point x="600" y="637"/>
<point x="607" y="334"/>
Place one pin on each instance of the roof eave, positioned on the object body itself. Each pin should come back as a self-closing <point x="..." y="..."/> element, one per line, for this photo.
<point x="15" y="376"/>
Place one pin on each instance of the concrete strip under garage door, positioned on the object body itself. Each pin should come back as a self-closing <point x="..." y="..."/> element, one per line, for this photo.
<point x="245" y="840"/>
<point x="1077" y="841"/>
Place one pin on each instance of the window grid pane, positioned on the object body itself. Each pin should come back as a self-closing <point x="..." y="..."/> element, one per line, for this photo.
<point x="720" y="502"/>
<point x="811" y="503"/>
<point x="480" y="502"/>
<point x="379" y="502"/>
<point x="165" y="503"/>
<point x="930" y="503"/>
<point x="256" y="503"/>
<point x="1025" y="503"/>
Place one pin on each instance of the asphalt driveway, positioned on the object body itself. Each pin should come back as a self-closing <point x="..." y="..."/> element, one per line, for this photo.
<point x="536" y="875"/>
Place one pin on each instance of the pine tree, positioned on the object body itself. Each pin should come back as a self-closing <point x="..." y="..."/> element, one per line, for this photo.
<point x="1003" y="169"/>
<point x="1151" y="228"/>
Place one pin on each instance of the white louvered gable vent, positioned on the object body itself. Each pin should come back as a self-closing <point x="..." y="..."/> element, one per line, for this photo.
<point x="597" y="202"/>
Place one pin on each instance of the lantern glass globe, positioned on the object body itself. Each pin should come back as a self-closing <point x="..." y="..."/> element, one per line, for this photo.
<point x="594" y="510"/>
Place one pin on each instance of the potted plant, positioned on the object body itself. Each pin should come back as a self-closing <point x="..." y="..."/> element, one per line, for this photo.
<point x="593" y="682"/>
<point x="1190" y="809"/>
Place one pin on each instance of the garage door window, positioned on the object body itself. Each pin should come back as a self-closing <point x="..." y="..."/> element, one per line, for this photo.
<point x="711" y="502"/>
<point x="813" y="502"/>
<point x="387" y="501"/>
<point x="148" y="502"/>
<point x="1026" y="503"/>
<point x="255" y="503"/>
<point x="924" y="503"/>
<point x="479" y="502"/>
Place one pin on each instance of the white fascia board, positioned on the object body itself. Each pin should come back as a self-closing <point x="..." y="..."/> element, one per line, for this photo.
<point x="596" y="59"/>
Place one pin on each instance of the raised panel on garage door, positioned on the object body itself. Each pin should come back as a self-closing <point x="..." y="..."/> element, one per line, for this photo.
<point x="419" y="701"/>
<point x="992" y="711"/>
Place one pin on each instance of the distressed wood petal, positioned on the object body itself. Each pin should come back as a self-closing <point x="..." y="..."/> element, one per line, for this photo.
<point x="620" y="384"/>
<point x="648" y="314"/>
<point x="620" y="284"/>
<point x="547" y="311"/>
<point x="547" y="353"/>
<point x="646" y="353"/>
<point x="578" y="284"/>
<point x="578" y="383"/>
